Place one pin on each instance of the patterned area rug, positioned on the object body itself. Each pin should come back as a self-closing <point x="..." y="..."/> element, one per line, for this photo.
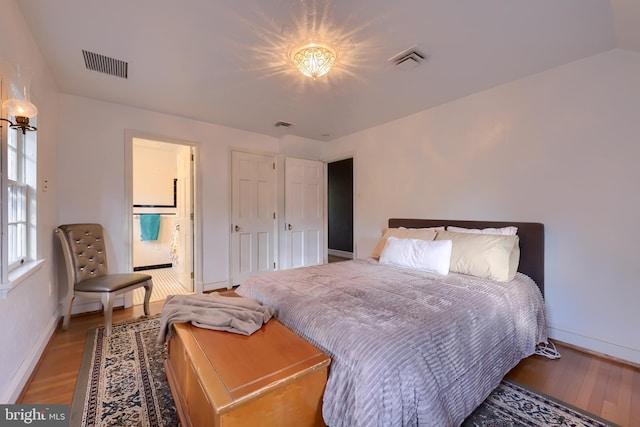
<point x="512" y="405"/>
<point x="122" y="383"/>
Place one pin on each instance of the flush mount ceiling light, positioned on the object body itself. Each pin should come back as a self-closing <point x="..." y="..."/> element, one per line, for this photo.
<point x="314" y="59"/>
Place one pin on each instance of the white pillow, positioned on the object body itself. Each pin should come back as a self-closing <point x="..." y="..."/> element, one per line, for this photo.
<point x="404" y="233"/>
<point x="427" y="255"/>
<point x="504" y="231"/>
<point x="483" y="255"/>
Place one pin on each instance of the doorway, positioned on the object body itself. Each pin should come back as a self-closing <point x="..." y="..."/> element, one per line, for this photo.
<point x="340" y="210"/>
<point x="162" y="217"/>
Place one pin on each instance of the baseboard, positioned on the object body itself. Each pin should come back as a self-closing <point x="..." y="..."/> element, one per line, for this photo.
<point x="596" y="354"/>
<point x="22" y="376"/>
<point x="599" y="346"/>
<point x="342" y="254"/>
<point x="152" y="267"/>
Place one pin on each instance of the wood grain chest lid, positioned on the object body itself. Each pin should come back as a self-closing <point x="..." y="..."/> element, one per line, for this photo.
<point x="249" y="366"/>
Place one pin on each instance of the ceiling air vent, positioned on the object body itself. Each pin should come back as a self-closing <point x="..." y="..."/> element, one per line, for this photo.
<point x="408" y="58"/>
<point x="104" y="64"/>
<point x="283" y="124"/>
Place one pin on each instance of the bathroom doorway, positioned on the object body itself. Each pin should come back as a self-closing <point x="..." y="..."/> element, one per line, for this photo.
<point x="162" y="216"/>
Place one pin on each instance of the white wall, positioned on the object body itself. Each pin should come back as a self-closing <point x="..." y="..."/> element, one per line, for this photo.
<point x="29" y="313"/>
<point x="303" y="148"/>
<point x="155" y="166"/>
<point x="93" y="149"/>
<point x="561" y="148"/>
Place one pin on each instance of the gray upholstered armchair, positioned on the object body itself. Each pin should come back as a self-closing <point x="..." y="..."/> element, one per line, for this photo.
<point x="85" y="257"/>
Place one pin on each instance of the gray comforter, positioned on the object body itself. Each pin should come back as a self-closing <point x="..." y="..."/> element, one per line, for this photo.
<point x="407" y="347"/>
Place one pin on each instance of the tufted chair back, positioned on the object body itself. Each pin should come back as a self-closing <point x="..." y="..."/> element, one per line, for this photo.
<point x="85" y="247"/>
<point x="85" y="260"/>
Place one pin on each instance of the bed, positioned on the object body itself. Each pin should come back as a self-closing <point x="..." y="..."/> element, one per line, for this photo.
<point x="411" y="347"/>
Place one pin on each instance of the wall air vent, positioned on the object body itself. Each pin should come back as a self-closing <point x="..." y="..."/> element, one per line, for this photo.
<point x="283" y="124"/>
<point x="104" y="64"/>
<point x="408" y="58"/>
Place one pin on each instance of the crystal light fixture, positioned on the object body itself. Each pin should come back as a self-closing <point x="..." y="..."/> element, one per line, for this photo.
<point x="314" y="59"/>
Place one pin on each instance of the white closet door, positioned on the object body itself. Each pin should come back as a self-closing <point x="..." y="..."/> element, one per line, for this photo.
<point x="252" y="215"/>
<point x="304" y="210"/>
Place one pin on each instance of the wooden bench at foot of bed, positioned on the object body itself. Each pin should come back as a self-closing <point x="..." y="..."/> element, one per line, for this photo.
<point x="270" y="378"/>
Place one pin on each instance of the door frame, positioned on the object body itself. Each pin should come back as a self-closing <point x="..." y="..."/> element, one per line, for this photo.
<point x="197" y="204"/>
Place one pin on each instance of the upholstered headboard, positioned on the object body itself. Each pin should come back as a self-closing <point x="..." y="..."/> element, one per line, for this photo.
<point x="531" y="236"/>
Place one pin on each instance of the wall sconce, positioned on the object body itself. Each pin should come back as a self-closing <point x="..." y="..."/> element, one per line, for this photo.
<point x="19" y="106"/>
<point x="21" y="110"/>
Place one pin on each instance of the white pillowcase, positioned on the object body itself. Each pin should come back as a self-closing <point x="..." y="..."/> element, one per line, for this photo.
<point x="504" y="231"/>
<point x="405" y="233"/>
<point x="490" y="256"/>
<point x="427" y="255"/>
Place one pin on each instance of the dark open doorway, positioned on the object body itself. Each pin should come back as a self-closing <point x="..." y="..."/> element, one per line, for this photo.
<point x="340" y="208"/>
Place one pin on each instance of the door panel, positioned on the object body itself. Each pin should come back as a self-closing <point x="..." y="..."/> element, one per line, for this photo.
<point x="252" y="216"/>
<point x="313" y="245"/>
<point x="264" y="251"/>
<point x="304" y="208"/>
<point x="185" y="218"/>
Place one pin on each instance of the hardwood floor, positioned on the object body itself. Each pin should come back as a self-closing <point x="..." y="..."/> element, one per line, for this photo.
<point x="604" y="387"/>
<point x="598" y="385"/>
<point x="54" y="379"/>
<point x="335" y="258"/>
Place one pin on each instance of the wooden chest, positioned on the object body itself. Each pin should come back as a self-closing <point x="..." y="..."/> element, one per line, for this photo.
<point x="271" y="378"/>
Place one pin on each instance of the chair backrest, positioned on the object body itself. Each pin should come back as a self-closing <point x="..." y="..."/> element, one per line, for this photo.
<point x="84" y="250"/>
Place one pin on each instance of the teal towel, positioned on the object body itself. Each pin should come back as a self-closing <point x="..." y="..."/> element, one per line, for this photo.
<point x="149" y="226"/>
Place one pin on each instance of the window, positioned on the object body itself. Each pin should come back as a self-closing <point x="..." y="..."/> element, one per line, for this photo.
<point x="17" y="196"/>
<point x="19" y="215"/>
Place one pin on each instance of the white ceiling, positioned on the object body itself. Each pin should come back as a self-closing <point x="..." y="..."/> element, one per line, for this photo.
<point x="226" y="62"/>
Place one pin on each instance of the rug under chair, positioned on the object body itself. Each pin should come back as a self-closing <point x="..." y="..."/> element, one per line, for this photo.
<point x="122" y="383"/>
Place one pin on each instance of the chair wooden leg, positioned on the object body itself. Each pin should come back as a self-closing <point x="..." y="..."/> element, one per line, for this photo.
<point x="148" y="288"/>
<point x="67" y="311"/>
<point x="107" y="306"/>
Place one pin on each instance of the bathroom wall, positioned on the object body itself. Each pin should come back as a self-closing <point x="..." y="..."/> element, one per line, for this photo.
<point x="154" y="171"/>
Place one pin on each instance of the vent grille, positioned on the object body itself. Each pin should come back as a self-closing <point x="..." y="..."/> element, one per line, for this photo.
<point x="104" y="64"/>
<point x="283" y="124"/>
<point x="413" y="56"/>
<point x="408" y="58"/>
